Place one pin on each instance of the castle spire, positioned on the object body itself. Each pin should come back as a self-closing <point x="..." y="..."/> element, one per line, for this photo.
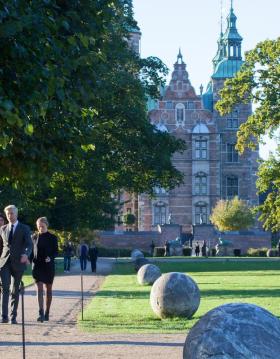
<point x="232" y="39"/>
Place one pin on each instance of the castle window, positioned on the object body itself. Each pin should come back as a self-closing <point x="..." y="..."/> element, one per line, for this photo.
<point x="201" y="216"/>
<point x="201" y="184"/>
<point x="169" y="105"/>
<point x="191" y="105"/>
<point x="180" y="114"/>
<point x="232" y="154"/>
<point x="232" y="123"/>
<point x="160" y="191"/>
<point x="232" y="186"/>
<point x="201" y="149"/>
<point x="159" y="213"/>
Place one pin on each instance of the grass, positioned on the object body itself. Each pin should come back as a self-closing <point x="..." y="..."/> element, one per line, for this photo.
<point x="28" y="279"/>
<point x="123" y="306"/>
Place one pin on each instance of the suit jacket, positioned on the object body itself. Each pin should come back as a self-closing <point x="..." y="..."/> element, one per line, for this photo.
<point x="21" y="244"/>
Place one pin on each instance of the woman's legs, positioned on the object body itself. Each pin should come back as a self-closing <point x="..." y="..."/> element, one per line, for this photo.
<point x="40" y="297"/>
<point x="48" y="300"/>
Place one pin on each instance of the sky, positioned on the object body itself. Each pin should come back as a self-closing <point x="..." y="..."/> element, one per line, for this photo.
<point x="194" y="26"/>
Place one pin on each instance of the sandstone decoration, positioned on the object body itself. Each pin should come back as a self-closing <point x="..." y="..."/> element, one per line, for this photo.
<point x="235" y="330"/>
<point x="148" y="274"/>
<point x="175" y="295"/>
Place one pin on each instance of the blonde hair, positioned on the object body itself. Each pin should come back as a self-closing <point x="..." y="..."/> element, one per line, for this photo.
<point x="43" y="220"/>
<point x="11" y="207"/>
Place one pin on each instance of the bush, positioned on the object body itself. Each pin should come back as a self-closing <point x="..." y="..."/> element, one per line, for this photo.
<point x="213" y="252"/>
<point x="237" y="252"/>
<point x="257" y="252"/>
<point x="273" y="252"/>
<point x="129" y="218"/>
<point x="159" y="251"/>
<point x="113" y="252"/>
<point x="187" y="251"/>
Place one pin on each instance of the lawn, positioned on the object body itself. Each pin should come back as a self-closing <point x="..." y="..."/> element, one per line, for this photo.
<point x="123" y="306"/>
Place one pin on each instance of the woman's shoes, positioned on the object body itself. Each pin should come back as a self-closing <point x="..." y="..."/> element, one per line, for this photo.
<point x="41" y="317"/>
<point x="46" y="317"/>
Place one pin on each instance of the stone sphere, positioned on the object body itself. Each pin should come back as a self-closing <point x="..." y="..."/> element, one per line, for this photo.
<point x="235" y="330"/>
<point x="175" y="295"/>
<point x="148" y="274"/>
<point x="139" y="262"/>
<point x="136" y="253"/>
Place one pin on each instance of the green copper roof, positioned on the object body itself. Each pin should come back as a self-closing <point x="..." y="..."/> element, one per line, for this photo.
<point x="207" y="97"/>
<point x="227" y="68"/>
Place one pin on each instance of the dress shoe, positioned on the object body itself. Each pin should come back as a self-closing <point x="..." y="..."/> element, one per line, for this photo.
<point x="41" y="317"/>
<point x="13" y="321"/>
<point x="46" y="318"/>
<point x="5" y="320"/>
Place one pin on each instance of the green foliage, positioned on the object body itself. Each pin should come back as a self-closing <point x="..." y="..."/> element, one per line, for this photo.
<point x="269" y="182"/>
<point x="232" y="215"/>
<point x="73" y="112"/>
<point x="129" y="218"/>
<point x="187" y="251"/>
<point x="159" y="251"/>
<point x="256" y="82"/>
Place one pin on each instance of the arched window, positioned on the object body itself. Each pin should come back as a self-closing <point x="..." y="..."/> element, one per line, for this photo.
<point x="159" y="211"/>
<point x="201" y="213"/>
<point x="200" y="184"/>
<point x="232" y="186"/>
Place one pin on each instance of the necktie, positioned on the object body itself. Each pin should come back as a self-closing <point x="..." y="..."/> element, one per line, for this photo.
<point x="11" y="234"/>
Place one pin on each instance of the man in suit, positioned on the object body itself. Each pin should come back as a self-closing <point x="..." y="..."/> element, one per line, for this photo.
<point x="17" y="246"/>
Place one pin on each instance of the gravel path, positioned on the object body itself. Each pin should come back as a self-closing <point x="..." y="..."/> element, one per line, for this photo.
<point x="60" y="337"/>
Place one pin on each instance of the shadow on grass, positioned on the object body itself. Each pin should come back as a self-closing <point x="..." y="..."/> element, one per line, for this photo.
<point x="204" y="293"/>
<point x="90" y="343"/>
<point x="240" y="293"/>
<point x="230" y="267"/>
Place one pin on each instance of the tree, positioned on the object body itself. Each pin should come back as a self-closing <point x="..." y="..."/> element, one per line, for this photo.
<point x="232" y="215"/>
<point x="258" y="82"/>
<point x="269" y="183"/>
<point x="73" y="120"/>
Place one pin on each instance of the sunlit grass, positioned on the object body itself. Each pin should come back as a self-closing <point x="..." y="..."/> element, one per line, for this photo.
<point x="123" y="306"/>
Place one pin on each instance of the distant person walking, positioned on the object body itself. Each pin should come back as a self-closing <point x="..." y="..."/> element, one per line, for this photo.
<point x="197" y="249"/>
<point x="152" y="247"/>
<point x="16" y="247"/>
<point x="204" y="249"/>
<point x="68" y="252"/>
<point x="93" y="254"/>
<point x="83" y="255"/>
<point x="45" y="249"/>
<point x="166" y="249"/>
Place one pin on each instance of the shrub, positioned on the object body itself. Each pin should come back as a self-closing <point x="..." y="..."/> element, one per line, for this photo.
<point x="159" y="251"/>
<point x="213" y="252"/>
<point x="237" y="252"/>
<point x="129" y="218"/>
<point x="273" y="252"/>
<point x="187" y="251"/>
<point x="257" y="252"/>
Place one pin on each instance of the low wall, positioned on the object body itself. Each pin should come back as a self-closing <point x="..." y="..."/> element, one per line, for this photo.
<point x="129" y="240"/>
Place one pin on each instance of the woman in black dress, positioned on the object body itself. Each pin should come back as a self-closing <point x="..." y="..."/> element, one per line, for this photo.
<point x="45" y="249"/>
